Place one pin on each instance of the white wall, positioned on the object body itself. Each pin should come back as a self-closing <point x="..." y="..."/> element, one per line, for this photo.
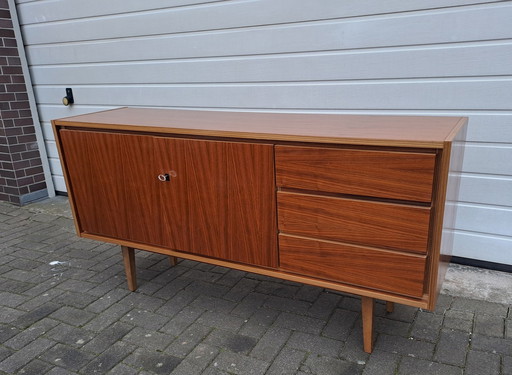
<point x="427" y="57"/>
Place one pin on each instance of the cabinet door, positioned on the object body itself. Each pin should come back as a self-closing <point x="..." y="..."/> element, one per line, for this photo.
<point x="226" y="208"/>
<point x="113" y="184"/>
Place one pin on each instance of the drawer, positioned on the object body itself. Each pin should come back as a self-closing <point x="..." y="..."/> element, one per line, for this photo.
<point x="388" y="225"/>
<point x="362" y="266"/>
<point x="385" y="174"/>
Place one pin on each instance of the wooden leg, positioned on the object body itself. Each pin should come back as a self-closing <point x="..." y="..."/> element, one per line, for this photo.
<point x="390" y="307"/>
<point x="129" y="266"/>
<point x="173" y="260"/>
<point x="367" y="308"/>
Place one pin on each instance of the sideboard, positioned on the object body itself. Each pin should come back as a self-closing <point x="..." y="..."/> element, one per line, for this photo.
<point x="358" y="204"/>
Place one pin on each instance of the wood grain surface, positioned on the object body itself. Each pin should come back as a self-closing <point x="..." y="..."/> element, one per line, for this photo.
<point x="363" y="266"/>
<point x="385" y="174"/>
<point x="379" y="224"/>
<point x="398" y="131"/>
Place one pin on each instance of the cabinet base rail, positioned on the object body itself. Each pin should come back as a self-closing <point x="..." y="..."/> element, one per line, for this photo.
<point x="367" y="303"/>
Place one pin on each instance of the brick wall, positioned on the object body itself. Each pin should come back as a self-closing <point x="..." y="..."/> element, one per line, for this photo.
<point x="21" y="173"/>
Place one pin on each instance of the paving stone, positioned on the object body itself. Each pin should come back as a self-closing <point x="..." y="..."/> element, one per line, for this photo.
<point x="9" y="299"/>
<point x="67" y="357"/>
<point x="416" y="366"/>
<point x="270" y="344"/>
<point x="154" y="362"/>
<point x="340" y="324"/>
<point x="350" y="303"/>
<point x="300" y="323"/>
<point x="310" y="293"/>
<point x="14" y="286"/>
<point x="277" y="288"/>
<point x="489" y="325"/>
<point x="241" y="289"/>
<point x="314" y="344"/>
<point x="8" y="331"/>
<point x="392" y="327"/>
<point x="181" y="321"/>
<point x="150" y="340"/>
<point x="401" y="313"/>
<point x="491" y="344"/>
<point x="287" y="305"/>
<point x="320" y="365"/>
<point x="508" y="329"/>
<point x="142" y="301"/>
<point x="480" y="307"/>
<point x="507" y="365"/>
<point x="221" y="321"/>
<point x="72" y="316"/>
<point x="214" y="304"/>
<point x="70" y="335"/>
<point x="21" y="357"/>
<point x="427" y="326"/>
<point x="27" y="319"/>
<point x="5" y="352"/>
<point x="108" y="359"/>
<point x="108" y="337"/>
<point x="461" y="320"/>
<point x="200" y="357"/>
<point x="482" y="363"/>
<point x="381" y="363"/>
<point x="75" y="299"/>
<point x="234" y="363"/>
<point x="188" y="340"/>
<point x="107" y="317"/>
<point x="324" y="306"/>
<point x="35" y="367"/>
<point x="122" y="369"/>
<point x="145" y="319"/>
<point x="288" y="361"/>
<point x="353" y="351"/>
<point x="405" y="346"/>
<point x="8" y="315"/>
<point x="234" y="342"/>
<point x="250" y="303"/>
<point x="107" y="300"/>
<point x="452" y="347"/>
<point x="27" y="336"/>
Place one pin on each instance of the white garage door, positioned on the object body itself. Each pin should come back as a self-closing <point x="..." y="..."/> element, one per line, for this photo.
<point x="426" y="57"/>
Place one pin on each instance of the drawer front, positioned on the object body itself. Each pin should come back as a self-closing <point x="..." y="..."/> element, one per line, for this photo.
<point x="366" y="267"/>
<point x="385" y="174"/>
<point x="387" y="225"/>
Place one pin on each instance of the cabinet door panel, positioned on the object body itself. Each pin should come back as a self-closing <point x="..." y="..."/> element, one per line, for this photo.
<point x="251" y="207"/>
<point x="112" y="184"/>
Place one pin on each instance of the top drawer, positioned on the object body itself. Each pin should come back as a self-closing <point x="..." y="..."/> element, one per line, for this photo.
<point x="383" y="174"/>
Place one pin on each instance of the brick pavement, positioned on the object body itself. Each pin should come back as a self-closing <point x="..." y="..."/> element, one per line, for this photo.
<point x="65" y="309"/>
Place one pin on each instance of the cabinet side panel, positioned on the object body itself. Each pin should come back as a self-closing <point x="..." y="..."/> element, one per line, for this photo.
<point x="251" y="207"/>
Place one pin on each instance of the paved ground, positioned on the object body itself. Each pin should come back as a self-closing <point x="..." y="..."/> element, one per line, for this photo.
<point x="65" y="309"/>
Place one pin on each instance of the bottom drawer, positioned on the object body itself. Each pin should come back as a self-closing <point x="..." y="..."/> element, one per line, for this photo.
<point x="362" y="266"/>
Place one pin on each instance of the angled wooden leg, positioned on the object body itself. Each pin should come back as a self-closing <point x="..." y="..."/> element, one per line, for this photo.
<point x="390" y="307"/>
<point x="173" y="260"/>
<point x="367" y="304"/>
<point x="129" y="266"/>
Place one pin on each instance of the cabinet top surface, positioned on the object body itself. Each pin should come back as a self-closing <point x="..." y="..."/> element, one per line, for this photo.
<point x="399" y="131"/>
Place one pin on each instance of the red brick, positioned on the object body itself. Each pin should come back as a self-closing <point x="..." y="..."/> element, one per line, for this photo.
<point x="25" y="113"/>
<point x="10" y="42"/>
<point x="39" y="178"/>
<point x="14" y="60"/>
<point x="27" y="138"/>
<point x="4" y="13"/>
<point x="6" y="33"/>
<point x="28" y="130"/>
<point x="38" y="186"/>
<point x="22" y="164"/>
<point x="8" y="51"/>
<point x="7" y="97"/>
<point x="4" y="4"/>
<point x="16" y="87"/>
<point x="12" y="70"/>
<point x="14" y="199"/>
<point x="20" y="105"/>
<point x="18" y="79"/>
<point x="36" y="161"/>
<point x="11" y="182"/>
<point x="21" y="96"/>
<point x="25" y="181"/>
<point x="5" y="79"/>
<point x="30" y="154"/>
<point x="10" y="114"/>
<point x="18" y="148"/>
<point x="9" y="132"/>
<point x="23" y="121"/>
<point x="5" y="24"/>
<point x="8" y="174"/>
<point x="24" y="190"/>
<point x="11" y="190"/>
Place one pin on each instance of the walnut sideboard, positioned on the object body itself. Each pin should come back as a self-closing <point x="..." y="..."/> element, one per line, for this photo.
<point x="359" y="204"/>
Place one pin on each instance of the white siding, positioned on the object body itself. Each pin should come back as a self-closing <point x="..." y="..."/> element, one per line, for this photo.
<point x="426" y="57"/>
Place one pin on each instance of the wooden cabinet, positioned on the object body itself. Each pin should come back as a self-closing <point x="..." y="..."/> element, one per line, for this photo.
<point x="360" y="204"/>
